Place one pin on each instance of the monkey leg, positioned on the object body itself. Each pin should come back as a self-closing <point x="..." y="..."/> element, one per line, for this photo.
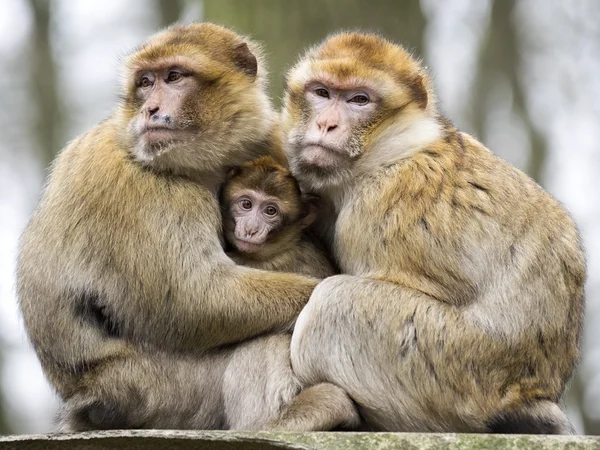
<point x="258" y="382"/>
<point x="322" y="407"/>
<point x="149" y="391"/>
<point x="260" y="391"/>
<point x="359" y="335"/>
<point x="413" y="363"/>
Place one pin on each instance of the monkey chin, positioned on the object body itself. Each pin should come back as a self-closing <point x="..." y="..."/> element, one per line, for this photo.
<point x="321" y="168"/>
<point x="152" y="144"/>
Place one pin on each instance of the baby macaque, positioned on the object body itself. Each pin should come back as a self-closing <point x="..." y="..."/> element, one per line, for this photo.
<point x="265" y="220"/>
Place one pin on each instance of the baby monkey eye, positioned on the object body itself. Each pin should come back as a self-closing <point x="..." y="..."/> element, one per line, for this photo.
<point x="270" y="210"/>
<point x="360" y="99"/>
<point x="322" y="92"/>
<point x="174" y="76"/>
<point x="246" y="204"/>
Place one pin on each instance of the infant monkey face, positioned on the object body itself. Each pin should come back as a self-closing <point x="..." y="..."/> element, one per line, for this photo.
<point x="256" y="215"/>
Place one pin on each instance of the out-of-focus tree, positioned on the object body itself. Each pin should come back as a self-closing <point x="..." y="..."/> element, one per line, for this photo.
<point x="4" y="427"/>
<point x="169" y="11"/>
<point x="288" y="27"/>
<point x="576" y="395"/>
<point x="49" y="122"/>
<point x="501" y="59"/>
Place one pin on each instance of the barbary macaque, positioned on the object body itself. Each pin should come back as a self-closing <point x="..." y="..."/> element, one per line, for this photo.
<point x="460" y="304"/>
<point x="129" y="300"/>
<point x="265" y="219"/>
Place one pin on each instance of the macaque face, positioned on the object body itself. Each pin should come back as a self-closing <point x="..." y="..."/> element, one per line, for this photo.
<point x="161" y="121"/>
<point x="329" y="138"/>
<point x="337" y="115"/>
<point x="255" y="215"/>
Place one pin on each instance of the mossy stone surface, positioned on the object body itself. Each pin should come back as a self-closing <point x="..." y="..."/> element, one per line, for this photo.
<point x="230" y="440"/>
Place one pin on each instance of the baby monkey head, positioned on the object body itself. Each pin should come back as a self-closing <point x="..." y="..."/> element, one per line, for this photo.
<point x="342" y="97"/>
<point x="263" y="209"/>
<point x="194" y="95"/>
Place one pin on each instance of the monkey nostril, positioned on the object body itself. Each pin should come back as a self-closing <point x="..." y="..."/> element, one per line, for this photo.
<point x="152" y="112"/>
<point x="167" y="119"/>
<point x="331" y="128"/>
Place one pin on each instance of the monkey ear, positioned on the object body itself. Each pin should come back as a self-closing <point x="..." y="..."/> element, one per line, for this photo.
<point x="245" y="60"/>
<point x="312" y="205"/>
<point x="232" y="172"/>
<point x="419" y="90"/>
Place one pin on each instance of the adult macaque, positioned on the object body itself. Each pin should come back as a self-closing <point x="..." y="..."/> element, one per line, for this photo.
<point x="265" y="217"/>
<point x="461" y="303"/>
<point x="122" y="279"/>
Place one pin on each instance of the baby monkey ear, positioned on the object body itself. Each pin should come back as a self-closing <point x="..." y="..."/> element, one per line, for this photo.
<point x="311" y="204"/>
<point x="232" y="172"/>
<point x="245" y="60"/>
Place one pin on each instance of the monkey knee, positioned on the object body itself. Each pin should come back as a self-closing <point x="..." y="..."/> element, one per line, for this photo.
<point x="315" y="329"/>
<point x="330" y="296"/>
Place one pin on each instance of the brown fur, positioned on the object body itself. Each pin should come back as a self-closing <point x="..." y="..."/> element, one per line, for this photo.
<point x="122" y="280"/>
<point x="288" y="248"/>
<point x="248" y="405"/>
<point x="462" y="302"/>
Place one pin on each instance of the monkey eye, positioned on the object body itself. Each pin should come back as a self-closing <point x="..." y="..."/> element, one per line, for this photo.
<point x="270" y="210"/>
<point x="322" y="92"/>
<point x="174" y="76"/>
<point x="145" y="82"/>
<point x="360" y="99"/>
<point x="246" y="204"/>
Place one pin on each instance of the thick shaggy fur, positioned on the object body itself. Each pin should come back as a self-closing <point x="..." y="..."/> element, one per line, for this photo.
<point x="462" y="299"/>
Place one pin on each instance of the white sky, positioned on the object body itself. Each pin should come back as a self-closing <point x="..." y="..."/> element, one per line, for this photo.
<point x="561" y="68"/>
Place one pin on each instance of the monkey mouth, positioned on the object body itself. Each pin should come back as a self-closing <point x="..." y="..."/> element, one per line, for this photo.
<point x="247" y="246"/>
<point x="322" y="156"/>
<point x="156" y="134"/>
<point x="323" y="147"/>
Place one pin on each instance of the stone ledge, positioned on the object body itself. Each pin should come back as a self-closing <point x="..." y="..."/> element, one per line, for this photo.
<point x="230" y="440"/>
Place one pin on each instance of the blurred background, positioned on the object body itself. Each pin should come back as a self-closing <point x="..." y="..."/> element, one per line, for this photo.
<point x="522" y="75"/>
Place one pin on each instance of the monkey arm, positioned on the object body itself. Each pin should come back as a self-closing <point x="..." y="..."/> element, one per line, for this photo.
<point x="216" y="303"/>
<point x="236" y="302"/>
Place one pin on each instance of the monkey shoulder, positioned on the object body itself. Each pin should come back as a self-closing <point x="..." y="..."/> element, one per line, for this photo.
<point x="103" y="213"/>
<point x="457" y="181"/>
<point x="452" y="202"/>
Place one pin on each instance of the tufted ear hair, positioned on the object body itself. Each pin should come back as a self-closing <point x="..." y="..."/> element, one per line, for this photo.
<point x="419" y="90"/>
<point x="244" y="60"/>
<point x="232" y="172"/>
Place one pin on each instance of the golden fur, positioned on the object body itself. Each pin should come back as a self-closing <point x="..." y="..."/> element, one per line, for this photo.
<point x="462" y="302"/>
<point x="122" y="279"/>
